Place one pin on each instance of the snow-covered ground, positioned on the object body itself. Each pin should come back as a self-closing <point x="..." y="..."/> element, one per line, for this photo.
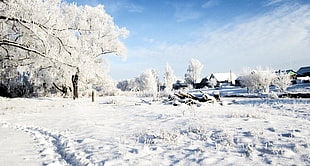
<point x="129" y="131"/>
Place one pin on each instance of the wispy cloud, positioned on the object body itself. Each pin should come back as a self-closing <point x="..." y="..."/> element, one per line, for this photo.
<point x="210" y="3"/>
<point x="93" y="2"/>
<point x="115" y="6"/>
<point x="185" y="11"/>
<point x="273" y="2"/>
<point x="134" y="8"/>
<point x="148" y="40"/>
<point x="273" y="39"/>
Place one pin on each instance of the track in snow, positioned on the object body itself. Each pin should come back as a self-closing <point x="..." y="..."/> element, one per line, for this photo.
<point x="55" y="148"/>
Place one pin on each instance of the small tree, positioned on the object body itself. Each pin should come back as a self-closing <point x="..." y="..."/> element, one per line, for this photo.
<point x="169" y="78"/>
<point x="193" y="71"/>
<point x="123" y="85"/>
<point x="282" y="80"/>
<point x="146" y="83"/>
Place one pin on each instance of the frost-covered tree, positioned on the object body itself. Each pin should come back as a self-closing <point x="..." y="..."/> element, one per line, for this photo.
<point x="250" y="80"/>
<point x="146" y="83"/>
<point x="193" y="71"/>
<point x="123" y="85"/>
<point x="169" y="77"/>
<point x="282" y="80"/>
<point x="149" y="82"/>
<point x="53" y="40"/>
<point x="258" y="79"/>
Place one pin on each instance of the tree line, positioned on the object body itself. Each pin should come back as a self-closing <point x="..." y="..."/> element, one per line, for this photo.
<point x="256" y="80"/>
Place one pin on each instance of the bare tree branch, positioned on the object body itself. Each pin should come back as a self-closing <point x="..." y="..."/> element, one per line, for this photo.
<point x="43" y="26"/>
<point x="17" y="45"/>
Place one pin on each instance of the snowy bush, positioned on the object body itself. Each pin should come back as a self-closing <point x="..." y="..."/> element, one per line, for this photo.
<point x="258" y="79"/>
<point x="146" y="84"/>
<point x="282" y="81"/>
<point x="163" y="136"/>
<point x="212" y="82"/>
<point x="14" y="84"/>
<point x="123" y="85"/>
<point x="149" y="82"/>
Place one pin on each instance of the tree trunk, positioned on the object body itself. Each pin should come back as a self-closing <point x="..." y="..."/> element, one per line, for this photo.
<point x="75" y="79"/>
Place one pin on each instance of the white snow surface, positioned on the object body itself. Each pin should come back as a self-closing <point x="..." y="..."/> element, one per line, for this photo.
<point x="129" y="131"/>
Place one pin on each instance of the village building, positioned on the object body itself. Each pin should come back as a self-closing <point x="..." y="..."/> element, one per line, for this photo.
<point x="303" y="75"/>
<point x="303" y="72"/>
<point x="224" y="79"/>
<point x="179" y="85"/>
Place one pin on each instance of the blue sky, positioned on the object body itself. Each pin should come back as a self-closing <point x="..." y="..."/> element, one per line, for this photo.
<point x="222" y="34"/>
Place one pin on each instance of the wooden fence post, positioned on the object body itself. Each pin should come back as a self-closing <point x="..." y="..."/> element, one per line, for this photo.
<point x="92" y="96"/>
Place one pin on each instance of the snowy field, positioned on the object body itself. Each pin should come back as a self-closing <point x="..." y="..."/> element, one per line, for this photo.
<point x="129" y="131"/>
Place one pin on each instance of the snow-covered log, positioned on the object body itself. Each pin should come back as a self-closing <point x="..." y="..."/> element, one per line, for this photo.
<point x="190" y="98"/>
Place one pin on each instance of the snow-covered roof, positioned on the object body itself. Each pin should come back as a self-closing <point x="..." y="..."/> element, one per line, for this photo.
<point x="224" y="76"/>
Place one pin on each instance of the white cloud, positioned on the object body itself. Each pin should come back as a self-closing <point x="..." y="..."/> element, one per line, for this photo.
<point x="185" y="11"/>
<point x="115" y="6"/>
<point x="273" y="2"/>
<point x="148" y="40"/>
<point x="134" y="8"/>
<point x="210" y="3"/>
<point x="273" y="39"/>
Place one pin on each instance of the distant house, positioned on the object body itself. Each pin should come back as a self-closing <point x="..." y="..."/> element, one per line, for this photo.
<point x="224" y="78"/>
<point x="238" y="81"/>
<point x="303" y="72"/>
<point x="179" y="85"/>
<point x="303" y="75"/>
<point x="203" y="83"/>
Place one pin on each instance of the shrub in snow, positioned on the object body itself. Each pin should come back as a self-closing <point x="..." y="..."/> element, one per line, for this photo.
<point x="146" y="83"/>
<point x="14" y="83"/>
<point x="212" y="82"/>
<point x="282" y="81"/>
<point x="193" y="71"/>
<point x="53" y="40"/>
<point x="123" y="85"/>
<point x="258" y="79"/>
